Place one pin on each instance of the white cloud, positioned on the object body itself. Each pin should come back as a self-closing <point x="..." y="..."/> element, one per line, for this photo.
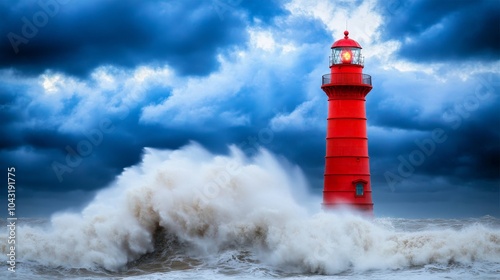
<point x="302" y="118"/>
<point x="362" y="21"/>
<point x="68" y="104"/>
<point x="262" y="40"/>
<point x="196" y="99"/>
<point x="50" y="83"/>
<point x="253" y="72"/>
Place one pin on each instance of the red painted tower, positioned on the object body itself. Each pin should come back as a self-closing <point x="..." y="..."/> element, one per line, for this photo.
<point x="347" y="167"/>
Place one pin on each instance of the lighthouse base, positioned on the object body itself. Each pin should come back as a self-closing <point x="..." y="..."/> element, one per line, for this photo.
<point x="365" y="208"/>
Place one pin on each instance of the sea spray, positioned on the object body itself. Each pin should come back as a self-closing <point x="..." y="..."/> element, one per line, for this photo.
<point x="213" y="204"/>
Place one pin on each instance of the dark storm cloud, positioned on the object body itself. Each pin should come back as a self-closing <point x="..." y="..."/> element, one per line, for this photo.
<point x="261" y="9"/>
<point x="452" y="203"/>
<point x="76" y="37"/>
<point x="444" y="30"/>
<point x="472" y="151"/>
<point x="458" y="143"/>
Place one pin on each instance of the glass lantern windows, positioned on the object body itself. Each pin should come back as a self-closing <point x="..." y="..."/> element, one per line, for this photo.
<point x="346" y="55"/>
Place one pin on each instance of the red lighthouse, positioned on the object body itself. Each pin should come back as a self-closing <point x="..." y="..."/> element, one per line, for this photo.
<point x="347" y="168"/>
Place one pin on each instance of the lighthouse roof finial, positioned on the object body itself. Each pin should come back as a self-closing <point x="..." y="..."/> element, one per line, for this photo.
<point x="346" y="42"/>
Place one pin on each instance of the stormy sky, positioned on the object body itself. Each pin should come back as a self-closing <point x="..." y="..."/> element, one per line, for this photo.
<point x="86" y="85"/>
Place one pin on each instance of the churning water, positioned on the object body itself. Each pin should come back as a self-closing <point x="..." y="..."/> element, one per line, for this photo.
<point x="189" y="214"/>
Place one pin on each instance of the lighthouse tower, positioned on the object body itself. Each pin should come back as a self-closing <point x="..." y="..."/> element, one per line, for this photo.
<point x="347" y="168"/>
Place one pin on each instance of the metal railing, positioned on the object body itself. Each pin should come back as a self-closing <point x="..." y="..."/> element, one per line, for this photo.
<point x="347" y="79"/>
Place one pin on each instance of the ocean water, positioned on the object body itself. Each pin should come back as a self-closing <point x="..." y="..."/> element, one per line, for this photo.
<point x="189" y="214"/>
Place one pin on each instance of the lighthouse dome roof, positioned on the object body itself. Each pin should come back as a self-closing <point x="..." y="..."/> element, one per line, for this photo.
<point x="346" y="42"/>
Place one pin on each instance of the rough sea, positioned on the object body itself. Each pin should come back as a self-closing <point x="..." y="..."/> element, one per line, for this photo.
<point x="189" y="214"/>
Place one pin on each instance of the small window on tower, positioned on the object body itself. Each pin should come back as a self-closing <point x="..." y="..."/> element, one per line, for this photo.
<point x="360" y="189"/>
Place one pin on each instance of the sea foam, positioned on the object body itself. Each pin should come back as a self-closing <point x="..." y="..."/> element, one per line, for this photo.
<point x="215" y="203"/>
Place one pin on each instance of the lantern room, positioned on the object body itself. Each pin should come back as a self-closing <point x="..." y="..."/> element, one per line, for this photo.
<point x="346" y="52"/>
